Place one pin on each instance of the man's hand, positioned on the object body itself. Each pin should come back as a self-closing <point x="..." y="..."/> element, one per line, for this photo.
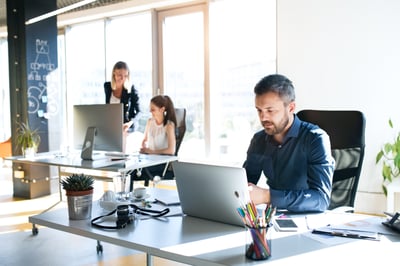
<point x="258" y="194"/>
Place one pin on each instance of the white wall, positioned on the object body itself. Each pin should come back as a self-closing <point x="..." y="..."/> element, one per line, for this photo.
<point x="345" y="54"/>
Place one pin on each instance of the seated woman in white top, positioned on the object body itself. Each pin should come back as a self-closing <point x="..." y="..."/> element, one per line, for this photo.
<point x="159" y="136"/>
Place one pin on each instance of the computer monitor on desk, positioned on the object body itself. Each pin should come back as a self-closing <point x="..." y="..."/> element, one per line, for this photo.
<point x="98" y="129"/>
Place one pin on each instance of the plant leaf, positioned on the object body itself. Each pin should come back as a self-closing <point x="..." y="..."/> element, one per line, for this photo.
<point x="386" y="172"/>
<point x="379" y="156"/>
<point x="390" y="155"/>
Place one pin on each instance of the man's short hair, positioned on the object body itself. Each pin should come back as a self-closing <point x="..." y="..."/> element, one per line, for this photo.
<point x="278" y="84"/>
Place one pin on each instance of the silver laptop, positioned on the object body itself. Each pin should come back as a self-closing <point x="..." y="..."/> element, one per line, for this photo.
<point x="208" y="191"/>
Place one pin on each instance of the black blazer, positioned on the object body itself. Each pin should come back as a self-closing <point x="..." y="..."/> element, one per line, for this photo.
<point x="130" y="100"/>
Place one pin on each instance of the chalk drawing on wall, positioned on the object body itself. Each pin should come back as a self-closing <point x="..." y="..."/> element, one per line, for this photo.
<point x="40" y="101"/>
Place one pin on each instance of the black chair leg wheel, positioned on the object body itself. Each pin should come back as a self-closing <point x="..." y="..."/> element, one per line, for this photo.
<point x="99" y="248"/>
<point x="35" y="230"/>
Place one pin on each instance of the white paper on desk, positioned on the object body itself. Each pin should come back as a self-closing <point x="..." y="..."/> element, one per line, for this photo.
<point x="168" y="198"/>
<point x="168" y="201"/>
<point x="349" y="222"/>
<point x="328" y="240"/>
<point x="334" y="219"/>
<point x="372" y="224"/>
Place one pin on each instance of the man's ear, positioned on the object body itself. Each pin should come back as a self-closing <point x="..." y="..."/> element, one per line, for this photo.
<point x="292" y="107"/>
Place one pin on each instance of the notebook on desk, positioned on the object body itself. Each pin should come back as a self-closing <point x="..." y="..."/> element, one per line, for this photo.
<point x="208" y="191"/>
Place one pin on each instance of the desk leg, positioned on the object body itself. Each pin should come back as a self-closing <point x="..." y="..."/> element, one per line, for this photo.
<point x="149" y="260"/>
<point x="59" y="182"/>
<point x="35" y="230"/>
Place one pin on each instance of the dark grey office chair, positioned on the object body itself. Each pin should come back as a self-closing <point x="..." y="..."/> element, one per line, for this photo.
<point x="346" y="130"/>
<point x="180" y="127"/>
<point x="166" y="171"/>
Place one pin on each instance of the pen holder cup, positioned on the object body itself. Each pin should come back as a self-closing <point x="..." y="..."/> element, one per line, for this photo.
<point x="121" y="187"/>
<point x="258" y="243"/>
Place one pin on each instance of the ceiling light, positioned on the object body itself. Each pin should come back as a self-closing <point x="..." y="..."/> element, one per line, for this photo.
<point x="58" y="11"/>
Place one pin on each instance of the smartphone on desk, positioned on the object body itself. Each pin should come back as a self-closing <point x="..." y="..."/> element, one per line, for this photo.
<point x="284" y="224"/>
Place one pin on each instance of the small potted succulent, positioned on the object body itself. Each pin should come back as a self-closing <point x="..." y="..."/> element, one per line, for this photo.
<point x="389" y="154"/>
<point x="28" y="139"/>
<point x="79" y="191"/>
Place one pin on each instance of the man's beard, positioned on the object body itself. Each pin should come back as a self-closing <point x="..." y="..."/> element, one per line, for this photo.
<point x="276" y="129"/>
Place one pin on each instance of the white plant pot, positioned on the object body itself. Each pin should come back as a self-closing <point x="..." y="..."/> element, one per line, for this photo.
<point x="29" y="152"/>
<point x="393" y="189"/>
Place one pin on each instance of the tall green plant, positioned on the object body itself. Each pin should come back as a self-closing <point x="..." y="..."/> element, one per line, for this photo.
<point x="27" y="137"/>
<point x="389" y="154"/>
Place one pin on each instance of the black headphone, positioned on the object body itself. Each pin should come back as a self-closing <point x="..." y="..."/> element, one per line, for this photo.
<point x="125" y="215"/>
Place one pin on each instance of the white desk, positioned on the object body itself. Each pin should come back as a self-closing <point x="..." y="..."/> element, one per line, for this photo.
<point x="123" y="166"/>
<point x="201" y="242"/>
<point x="73" y="160"/>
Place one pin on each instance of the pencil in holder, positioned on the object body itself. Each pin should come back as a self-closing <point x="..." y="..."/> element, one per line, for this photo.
<point x="258" y="243"/>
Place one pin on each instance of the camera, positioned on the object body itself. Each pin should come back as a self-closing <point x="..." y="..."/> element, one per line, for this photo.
<point x="124" y="216"/>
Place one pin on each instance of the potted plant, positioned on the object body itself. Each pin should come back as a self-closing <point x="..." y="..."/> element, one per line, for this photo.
<point x="389" y="154"/>
<point x="79" y="191"/>
<point x="28" y="139"/>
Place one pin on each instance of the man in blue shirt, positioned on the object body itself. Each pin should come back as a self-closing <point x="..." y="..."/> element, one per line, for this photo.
<point x="295" y="156"/>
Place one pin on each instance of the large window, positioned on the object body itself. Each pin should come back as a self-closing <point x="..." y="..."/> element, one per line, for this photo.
<point x="91" y="57"/>
<point x="211" y="56"/>
<point x="5" y="129"/>
<point x="237" y="51"/>
<point x="85" y="71"/>
<point x="242" y="51"/>
<point x="84" y="45"/>
<point x="182" y="72"/>
<point x="129" y="39"/>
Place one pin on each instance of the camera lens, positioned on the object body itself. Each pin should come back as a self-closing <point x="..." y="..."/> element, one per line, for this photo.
<point x="122" y="210"/>
<point x="123" y="216"/>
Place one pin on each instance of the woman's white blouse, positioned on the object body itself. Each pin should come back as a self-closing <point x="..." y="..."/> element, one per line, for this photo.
<point x="157" y="138"/>
<point x="114" y="99"/>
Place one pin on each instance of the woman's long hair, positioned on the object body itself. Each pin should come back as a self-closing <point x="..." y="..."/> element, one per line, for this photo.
<point x="166" y="102"/>
<point x="121" y="65"/>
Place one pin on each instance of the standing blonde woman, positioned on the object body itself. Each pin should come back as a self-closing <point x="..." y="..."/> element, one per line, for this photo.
<point x="120" y="90"/>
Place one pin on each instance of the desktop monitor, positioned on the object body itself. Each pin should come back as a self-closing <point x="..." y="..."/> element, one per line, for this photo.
<point x="98" y="127"/>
